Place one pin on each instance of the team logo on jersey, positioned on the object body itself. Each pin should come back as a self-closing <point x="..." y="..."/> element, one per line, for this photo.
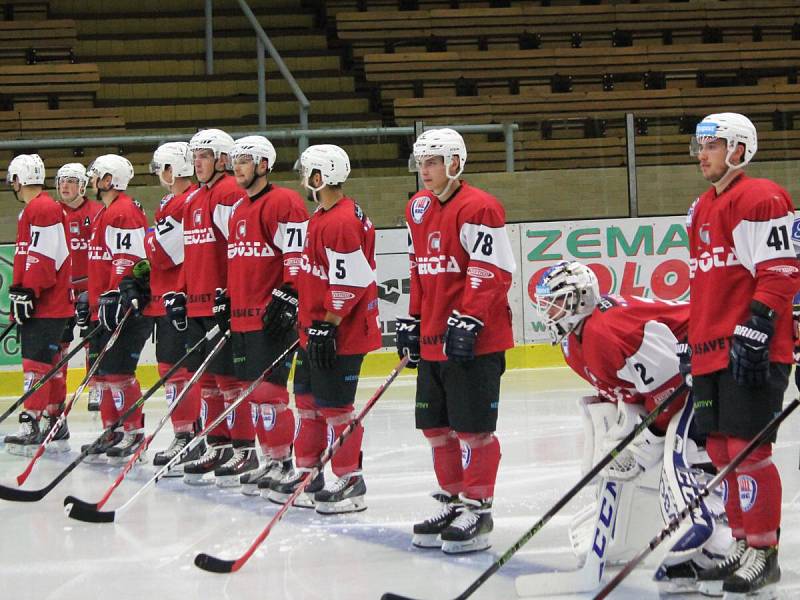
<point x="119" y="399"/>
<point x="783" y="269"/>
<point x="476" y="274"/>
<point x="466" y="455"/>
<point x="748" y="492"/>
<point x="434" y="242"/>
<point x="339" y="297"/>
<point x="241" y="229"/>
<point x="717" y="258"/>
<point x="268" y="416"/>
<point x="74" y="227"/>
<point x="704" y="233"/>
<point x="197" y="216"/>
<point x="419" y="207"/>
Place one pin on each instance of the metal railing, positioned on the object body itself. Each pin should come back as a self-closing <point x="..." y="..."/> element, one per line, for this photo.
<point x="507" y="129"/>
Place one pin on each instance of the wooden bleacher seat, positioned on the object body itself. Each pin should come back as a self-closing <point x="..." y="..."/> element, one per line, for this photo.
<point x="37" y="41"/>
<point x="48" y="85"/>
<point x="26" y="124"/>
<point x="406" y="74"/>
<point x="24" y="9"/>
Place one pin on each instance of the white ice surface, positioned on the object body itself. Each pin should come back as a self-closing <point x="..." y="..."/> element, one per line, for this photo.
<point x="149" y="553"/>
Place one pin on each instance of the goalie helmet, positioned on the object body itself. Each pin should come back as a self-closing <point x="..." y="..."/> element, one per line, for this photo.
<point x="215" y="140"/>
<point x="27" y="169"/>
<point x="331" y="161"/>
<point x="173" y="154"/>
<point x="734" y="129"/>
<point x="444" y="142"/>
<point x="565" y="295"/>
<point x="118" y="167"/>
<point x="256" y="146"/>
<point x="73" y="171"/>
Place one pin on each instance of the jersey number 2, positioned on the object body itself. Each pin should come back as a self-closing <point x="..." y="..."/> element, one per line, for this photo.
<point x="643" y="373"/>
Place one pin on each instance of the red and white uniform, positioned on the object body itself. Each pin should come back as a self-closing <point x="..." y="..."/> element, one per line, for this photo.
<point x="461" y="259"/>
<point x="41" y="257"/>
<point x="264" y="247"/>
<point x="337" y="275"/>
<point x="117" y="244"/>
<point x="163" y="244"/>
<point x="740" y="250"/>
<point x="626" y="350"/>
<point x="79" y="232"/>
<point x="205" y="239"/>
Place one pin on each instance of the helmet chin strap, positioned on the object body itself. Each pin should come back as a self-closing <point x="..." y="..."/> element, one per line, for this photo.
<point x="450" y="178"/>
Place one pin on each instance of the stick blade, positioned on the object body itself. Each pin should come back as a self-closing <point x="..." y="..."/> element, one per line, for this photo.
<point x="391" y="596"/>
<point x="77" y="509"/>
<point x="17" y="495"/>
<point x="213" y="564"/>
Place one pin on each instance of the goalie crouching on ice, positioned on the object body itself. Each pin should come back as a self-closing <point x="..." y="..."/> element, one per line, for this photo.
<point x="626" y="348"/>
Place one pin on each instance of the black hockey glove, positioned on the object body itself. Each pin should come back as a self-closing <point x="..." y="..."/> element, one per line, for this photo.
<point x="21" y="303"/>
<point x="459" y="339"/>
<point x="82" y="312"/>
<point x="281" y="313"/>
<point x="222" y="309"/>
<point x="175" y="308"/>
<point x="109" y="311"/>
<point x="750" y="349"/>
<point x="684" y="352"/>
<point x="407" y="339"/>
<point x="321" y="345"/>
<point x="133" y="294"/>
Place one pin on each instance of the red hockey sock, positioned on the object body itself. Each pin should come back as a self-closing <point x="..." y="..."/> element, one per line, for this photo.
<point x="58" y="387"/>
<point x="185" y="414"/>
<point x="212" y="403"/>
<point x="347" y="458"/>
<point x="108" y="412"/>
<point x="33" y="371"/>
<point x="125" y="391"/>
<point x="277" y="420"/>
<point x="759" y="493"/>
<point x="310" y="441"/>
<point x="717" y="449"/>
<point x="480" y="454"/>
<point x="240" y="421"/>
<point x="446" y="459"/>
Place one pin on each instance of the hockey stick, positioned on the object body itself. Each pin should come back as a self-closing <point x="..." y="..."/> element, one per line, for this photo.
<point x="218" y="565"/>
<point x="17" y="495"/>
<point x="98" y="516"/>
<point x="7" y="330"/>
<point x="47" y="376"/>
<point x="593" y="472"/>
<point x="702" y="493"/>
<point x="63" y="416"/>
<point x="77" y="508"/>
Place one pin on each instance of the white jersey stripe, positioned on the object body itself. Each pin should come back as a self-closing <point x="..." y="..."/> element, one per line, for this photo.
<point x="488" y="244"/>
<point x="758" y="241"/>
<point x="654" y="363"/>
<point x="125" y="241"/>
<point x="351" y="268"/>
<point x="50" y="241"/>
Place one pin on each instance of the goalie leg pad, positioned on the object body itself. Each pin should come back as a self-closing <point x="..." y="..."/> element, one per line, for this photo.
<point x="597" y="417"/>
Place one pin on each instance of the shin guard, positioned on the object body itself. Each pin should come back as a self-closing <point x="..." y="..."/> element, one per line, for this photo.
<point x="310" y="441"/>
<point x="480" y="459"/>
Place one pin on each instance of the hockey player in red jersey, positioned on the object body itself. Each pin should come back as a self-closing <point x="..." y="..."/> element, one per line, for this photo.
<point x="338" y="325"/>
<point x="39" y="299"/>
<point x="624" y="346"/>
<point x="116" y="246"/>
<point x="71" y="183"/>
<point x="190" y="306"/>
<point x="266" y="236"/>
<point x="740" y="357"/>
<point x="173" y="164"/>
<point x="457" y="333"/>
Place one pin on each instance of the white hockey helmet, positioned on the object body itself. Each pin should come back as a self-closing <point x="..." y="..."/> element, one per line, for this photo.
<point x="215" y="140"/>
<point x="119" y="167"/>
<point x="173" y="154"/>
<point x="27" y="169"/>
<point x="734" y="128"/>
<point x="73" y="171"/>
<point x="565" y="295"/>
<point x="331" y="161"/>
<point x="444" y="142"/>
<point x="256" y="146"/>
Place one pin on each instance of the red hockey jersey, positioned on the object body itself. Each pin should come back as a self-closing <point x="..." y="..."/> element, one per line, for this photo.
<point x="626" y="350"/>
<point x="79" y="232"/>
<point x="461" y="259"/>
<point x="264" y="247"/>
<point x="117" y="244"/>
<point x="41" y="257"/>
<point x="163" y="245"/>
<point x="337" y="275"/>
<point x="205" y="243"/>
<point x="740" y="250"/>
